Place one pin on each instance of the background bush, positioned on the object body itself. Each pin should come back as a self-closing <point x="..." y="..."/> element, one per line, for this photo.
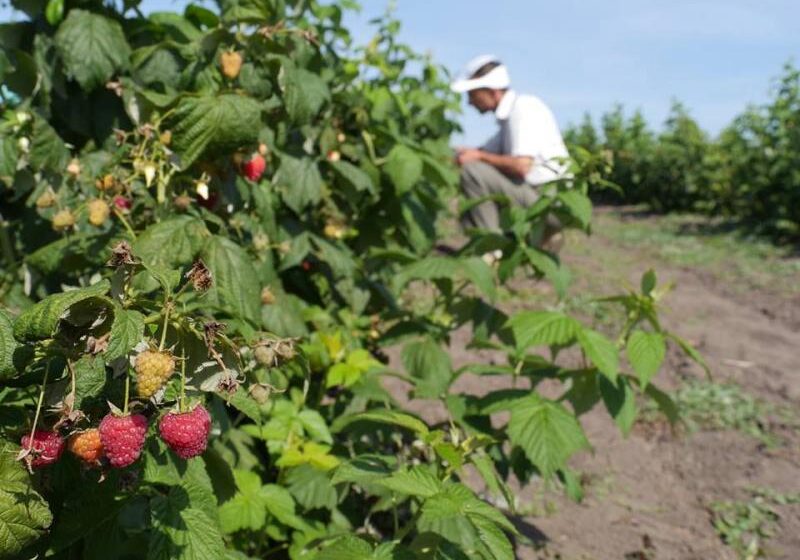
<point x="749" y="172"/>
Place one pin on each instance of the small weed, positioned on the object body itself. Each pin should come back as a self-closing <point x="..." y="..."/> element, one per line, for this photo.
<point x="690" y="240"/>
<point x="745" y="526"/>
<point x="707" y="405"/>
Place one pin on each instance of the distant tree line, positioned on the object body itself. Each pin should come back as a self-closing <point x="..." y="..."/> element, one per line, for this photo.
<point x="750" y="172"/>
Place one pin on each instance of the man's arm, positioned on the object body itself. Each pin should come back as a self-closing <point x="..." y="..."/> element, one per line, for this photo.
<point x="514" y="166"/>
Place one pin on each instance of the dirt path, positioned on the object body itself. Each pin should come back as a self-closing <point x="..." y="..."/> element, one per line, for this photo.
<point x="650" y="496"/>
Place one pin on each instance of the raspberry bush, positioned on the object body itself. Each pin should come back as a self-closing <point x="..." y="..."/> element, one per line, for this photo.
<point x="215" y="225"/>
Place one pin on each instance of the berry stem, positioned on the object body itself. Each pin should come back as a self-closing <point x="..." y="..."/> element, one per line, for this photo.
<point x="127" y="393"/>
<point x="125" y="223"/>
<point x="39" y="404"/>
<point x="72" y="379"/>
<point x="167" y="307"/>
<point x="182" y="401"/>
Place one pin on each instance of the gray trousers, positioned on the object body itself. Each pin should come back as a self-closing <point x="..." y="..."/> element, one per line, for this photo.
<point x="479" y="179"/>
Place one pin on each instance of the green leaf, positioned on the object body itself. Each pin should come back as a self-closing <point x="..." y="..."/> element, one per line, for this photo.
<point x="646" y="351"/>
<point x="315" y="426"/>
<point x="281" y="505"/>
<point x="602" y="352"/>
<point x="43" y="320"/>
<point x="363" y="469"/>
<point x="691" y="352"/>
<point x="308" y="453"/>
<point x="90" y="379"/>
<point x="404" y="168"/>
<point x="430" y="365"/>
<point x="176" y="26"/>
<point x="480" y="274"/>
<point x="460" y="517"/>
<point x="429" y="268"/>
<point x="47" y="150"/>
<point x="546" y="432"/>
<point x="620" y="400"/>
<point x="285" y="316"/>
<point x="248" y="508"/>
<point x="235" y="287"/>
<point x="350" y="547"/>
<point x="578" y="205"/>
<point x="311" y="487"/>
<point x="85" y="511"/>
<point x="536" y="328"/>
<point x="172" y="243"/>
<point x="126" y="332"/>
<point x="349" y="372"/>
<point x="24" y="515"/>
<point x="353" y="175"/>
<point x="244" y="403"/>
<point x="8" y="346"/>
<point x="664" y="403"/>
<point x="382" y="416"/>
<point x="550" y="267"/>
<point x="416" y="481"/>
<point x="185" y="523"/>
<point x="214" y="124"/>
<point x="648" y="282"/>
<point x="304" y="92"/>
<point x="9" y="155"/>
<point x="93" y="48"/>
<point x="494" y="482"/>
<point x="300" y="182"/>
<point x="583" y="393"/>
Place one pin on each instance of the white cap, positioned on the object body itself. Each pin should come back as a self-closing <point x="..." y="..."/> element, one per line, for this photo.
<point x="498" y="78"/>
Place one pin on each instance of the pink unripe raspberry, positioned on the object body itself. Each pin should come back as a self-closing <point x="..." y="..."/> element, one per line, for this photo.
<point x="46" y="447"/>
<point x="123" y="204"/>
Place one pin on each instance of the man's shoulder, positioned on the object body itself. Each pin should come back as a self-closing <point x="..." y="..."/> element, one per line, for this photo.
<point x="528" y="102"/>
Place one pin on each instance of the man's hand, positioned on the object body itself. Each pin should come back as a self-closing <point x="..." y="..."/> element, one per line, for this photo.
<point x="466" y="155"/>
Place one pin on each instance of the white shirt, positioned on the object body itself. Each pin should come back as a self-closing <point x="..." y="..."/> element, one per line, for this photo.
<point x="528" y="128"/>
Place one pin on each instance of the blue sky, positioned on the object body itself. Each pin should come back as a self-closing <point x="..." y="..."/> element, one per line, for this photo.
<point x="716" y="56"/>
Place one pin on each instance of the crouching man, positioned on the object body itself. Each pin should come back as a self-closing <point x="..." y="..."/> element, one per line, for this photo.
<point x="523" y="154"/>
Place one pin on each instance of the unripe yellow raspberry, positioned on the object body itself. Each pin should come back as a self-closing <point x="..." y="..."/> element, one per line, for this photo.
<point x="46" y="200"/>
<point x="267" y="297"/>
<point x="98" y="212"/>
<point x="64" y="219"/>
<point x="153" y="369"/>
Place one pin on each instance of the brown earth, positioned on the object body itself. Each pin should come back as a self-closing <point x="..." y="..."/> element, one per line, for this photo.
<point x="648" y="496"/>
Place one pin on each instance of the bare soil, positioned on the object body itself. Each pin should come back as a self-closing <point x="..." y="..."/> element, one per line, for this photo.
<point x="648" y="496"/>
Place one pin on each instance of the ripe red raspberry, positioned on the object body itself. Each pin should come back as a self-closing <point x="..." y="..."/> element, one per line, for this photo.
<point x="87" y="446"/>
<point x="123" y="438"/>
<point x="45" y="449"/>
<point x="153" y="368"/>
<point x="254" y="167"/>
<point x="186" y="433"/>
